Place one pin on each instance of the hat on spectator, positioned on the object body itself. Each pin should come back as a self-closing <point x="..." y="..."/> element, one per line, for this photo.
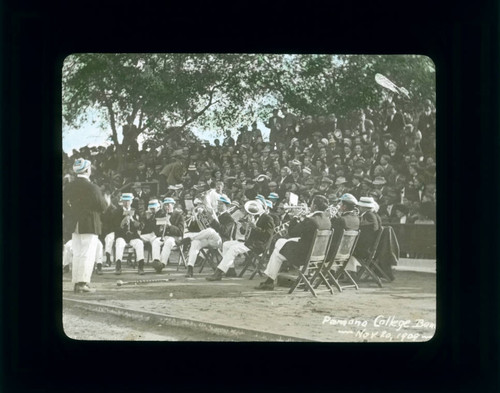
<point x="127" y="196"/>
<point x="379" y="180"/>
<point x="273" y="184"/>
<point x="261" y="178"/>
<point x="336" y="156"/>
<point x="192" y="167"/>
<point x="366" y="202"/>
<point x="169" y="200"/>
<point x="266" y="149"/>
<point x="348" y="142"/>
<point x="340" y="180"/>
<point x="81" y="165"/>
<point x="367" y="180"/>
<point x="175" y="187"/>
<point x="296" y="162"/>
<point x="326" y="180"/>
<point x="358" y="173"/>
<point x="293" y="140"/>
<point x="273" y="195"/>
<point x="324" y="141"/>
<point x="337" y="134"/>
<point x="306" y="171"/>
<point x="310" y="182"/>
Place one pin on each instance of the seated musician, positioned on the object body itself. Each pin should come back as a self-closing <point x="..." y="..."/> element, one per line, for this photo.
<point x="168" y="234"/>
<point x="347" y="218"/>
<point x="260" y="233"/>
<point x="369" y="226"/>
<point x="127" y="225"/>
<point x="210" y="237"/>
<point x="151" y="230"/>
<point x="295" y="249"/>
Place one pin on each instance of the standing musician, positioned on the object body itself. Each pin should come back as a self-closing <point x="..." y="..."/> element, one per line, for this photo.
<point x="127" y="225"/>
<point x="84" y="204"/>
<point x="295" y="249"/>
<point x="151" y="230"/>
<point x="207" y="238"/>
<point x="169" y="234"/>
<point x="259" y="235"/>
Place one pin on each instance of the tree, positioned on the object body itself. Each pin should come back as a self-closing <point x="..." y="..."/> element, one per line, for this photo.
<point x="160" y="94"/>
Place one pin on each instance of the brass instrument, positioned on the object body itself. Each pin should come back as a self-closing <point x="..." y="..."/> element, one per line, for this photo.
<point x="128" y="219"/>
<point x="298" y="212"/>
<point x="253" y="209"/>
<point x="333" y="210"/>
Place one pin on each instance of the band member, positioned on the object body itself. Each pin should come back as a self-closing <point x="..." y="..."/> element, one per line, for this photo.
<point x="369" y="226"/>
<point x="259" y="235"/>
<point x="171" y="233"/>
<point x="151" y="230"/>
<point x="210" y="238"/>
<point x="347" y="218"/>
<point x="127" y="225"/>
<point x="84" y="204"/>
<point x="68" y="257"/>
<point x="295" y="249"/>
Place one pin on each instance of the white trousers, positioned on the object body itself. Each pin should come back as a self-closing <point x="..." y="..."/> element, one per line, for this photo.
<point x="168" y="243"/>
<point x="155" y="244"/>
<point x="109" y="239"/>
<point x="84" y="254"/>
<point x="68" y="253"/>
<point x="230" y="250"/>
<point x="207" y="238"/>
<point x="276" y="259"/>
<point x="136" y="243"/>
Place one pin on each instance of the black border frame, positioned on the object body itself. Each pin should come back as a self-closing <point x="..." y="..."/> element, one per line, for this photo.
<point x="461" y="38"/>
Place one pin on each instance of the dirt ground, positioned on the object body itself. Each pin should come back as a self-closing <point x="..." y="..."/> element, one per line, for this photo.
<point x="403" y="310"/>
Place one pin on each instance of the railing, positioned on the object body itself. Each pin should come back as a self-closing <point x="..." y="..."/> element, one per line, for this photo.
<point x="416" y="240"/>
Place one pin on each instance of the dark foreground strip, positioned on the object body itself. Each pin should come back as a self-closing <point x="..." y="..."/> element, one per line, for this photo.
<point x="225" y="332"/>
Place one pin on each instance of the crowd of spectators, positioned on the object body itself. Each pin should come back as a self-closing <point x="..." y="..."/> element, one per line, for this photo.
<point x="384" y="153"/>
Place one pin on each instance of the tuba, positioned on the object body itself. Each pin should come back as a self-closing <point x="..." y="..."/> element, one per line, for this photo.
<point x="253" y="208"/>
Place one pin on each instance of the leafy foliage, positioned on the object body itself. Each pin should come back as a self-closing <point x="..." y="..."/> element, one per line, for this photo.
<point x="161" y="93"/>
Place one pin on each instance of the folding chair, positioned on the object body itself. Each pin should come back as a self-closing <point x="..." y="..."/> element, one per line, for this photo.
<point x="212" y="257"/>
<point x="314" y="261"/>
<point x="375" y="263"/>
<point x="335" y="268"/>
<point x="368" y="263"/>
<point x="256" y="261"/>
<point x="179" y="247"/>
